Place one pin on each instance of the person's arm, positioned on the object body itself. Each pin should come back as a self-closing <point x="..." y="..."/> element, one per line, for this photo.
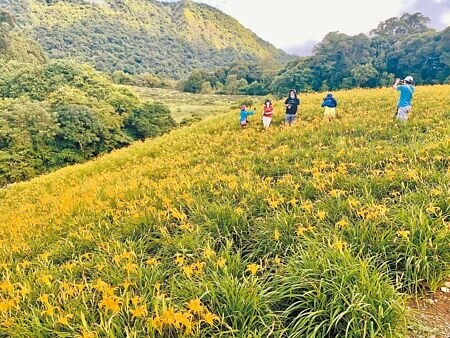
<point x="397" y="81"/>
<point x="323" y="103"/>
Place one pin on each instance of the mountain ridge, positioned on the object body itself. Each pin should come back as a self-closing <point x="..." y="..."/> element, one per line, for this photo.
<point x="137" y="36"/>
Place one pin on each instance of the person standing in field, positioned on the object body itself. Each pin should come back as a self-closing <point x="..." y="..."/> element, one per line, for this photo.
<point x="292" y="103"/>
<point x="243" y="116"/>
<point x="330" y="104"/>
<point x="404" y="104"/>
<point x="267" y="114"/>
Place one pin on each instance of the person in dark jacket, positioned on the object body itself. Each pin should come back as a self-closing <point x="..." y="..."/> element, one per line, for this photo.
<point x="330" y="104"/>
<point x="292" y="103"/>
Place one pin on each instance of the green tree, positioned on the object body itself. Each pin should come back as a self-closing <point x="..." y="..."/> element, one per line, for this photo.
<point x="149" y="120"/>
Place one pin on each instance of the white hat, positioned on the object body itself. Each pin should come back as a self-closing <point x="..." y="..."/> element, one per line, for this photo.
<point x="409" y="79"/>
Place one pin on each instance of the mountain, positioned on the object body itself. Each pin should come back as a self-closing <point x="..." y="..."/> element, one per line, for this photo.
<point x="137" y="36"/>
<point x="15" y="46"/>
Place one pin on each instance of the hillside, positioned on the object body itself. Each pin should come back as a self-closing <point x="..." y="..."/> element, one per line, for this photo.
<point x="137" y="36"/>
<point x="15" y="46"/>
<point x="315" y="230"/>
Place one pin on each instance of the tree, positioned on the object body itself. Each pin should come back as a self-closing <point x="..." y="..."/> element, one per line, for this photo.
<point x="363" y="73"/>
<point x="149" y="120"/>
<point x="79" y="128"/>
<point x="407" y="24"/>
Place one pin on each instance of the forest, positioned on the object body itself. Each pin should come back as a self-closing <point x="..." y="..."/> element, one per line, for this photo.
<point x="54" y="113"/>
<point x="396" y="48"/>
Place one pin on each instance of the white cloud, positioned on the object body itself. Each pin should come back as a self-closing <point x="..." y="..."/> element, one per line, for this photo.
<point x="446" y="19"/>
<point x="290" y="22"/>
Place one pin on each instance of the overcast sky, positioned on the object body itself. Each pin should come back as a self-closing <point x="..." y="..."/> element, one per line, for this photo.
<point x="296" y="25"/>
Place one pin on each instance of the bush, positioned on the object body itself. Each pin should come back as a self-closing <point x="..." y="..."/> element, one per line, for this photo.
<point x="149" y="120"/>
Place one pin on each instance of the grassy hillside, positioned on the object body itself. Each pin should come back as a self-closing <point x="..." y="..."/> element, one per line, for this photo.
<point x="168" y="39"/>
<point x="314" y="230"/>
<point x="190" y="107"/>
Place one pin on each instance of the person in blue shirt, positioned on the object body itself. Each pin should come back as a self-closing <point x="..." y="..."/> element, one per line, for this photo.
<point x="330" y="104"/>
<point x="243" y="116"/>
<point x="405" y="101"/>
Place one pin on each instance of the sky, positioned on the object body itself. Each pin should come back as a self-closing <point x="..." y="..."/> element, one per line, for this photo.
<point x="297" y="25"/>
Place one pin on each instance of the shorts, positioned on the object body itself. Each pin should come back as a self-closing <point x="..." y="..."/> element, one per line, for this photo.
<point x="329" y="113"/>
<point x="402" y="113"/>
<point x="290" y="118"/>
<point x="266" y="121"/>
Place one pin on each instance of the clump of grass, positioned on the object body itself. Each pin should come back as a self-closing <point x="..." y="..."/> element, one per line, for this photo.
<point x="325" y="293"/>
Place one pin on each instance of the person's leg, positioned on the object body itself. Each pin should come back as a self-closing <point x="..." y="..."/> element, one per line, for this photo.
<point x="287" y="120"/>
<point x="402" y="113"/>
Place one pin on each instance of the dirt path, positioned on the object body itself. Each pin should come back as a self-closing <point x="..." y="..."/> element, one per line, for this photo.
<point x="432" y="317"/>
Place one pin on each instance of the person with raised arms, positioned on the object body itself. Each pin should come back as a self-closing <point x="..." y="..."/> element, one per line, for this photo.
<point x="404" y="104"/>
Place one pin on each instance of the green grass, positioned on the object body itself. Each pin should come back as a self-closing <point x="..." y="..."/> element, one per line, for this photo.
<point x="188" y="106"/>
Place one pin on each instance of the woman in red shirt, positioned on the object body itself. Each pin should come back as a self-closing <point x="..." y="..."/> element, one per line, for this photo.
<point x="267" y="114"/>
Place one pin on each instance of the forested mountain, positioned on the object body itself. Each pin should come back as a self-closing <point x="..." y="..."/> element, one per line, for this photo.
<point x="14" y="45"/>
<point x="54" y="113"/>
<point x="138" y="36"/>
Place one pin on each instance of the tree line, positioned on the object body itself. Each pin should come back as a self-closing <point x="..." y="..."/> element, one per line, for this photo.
<point x="396" y="48"/>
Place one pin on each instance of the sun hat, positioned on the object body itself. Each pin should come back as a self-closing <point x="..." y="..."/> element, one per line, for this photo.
<point x="409" y="79"/>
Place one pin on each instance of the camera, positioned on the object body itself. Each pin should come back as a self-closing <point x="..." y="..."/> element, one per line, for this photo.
<point x="401" y="82"/>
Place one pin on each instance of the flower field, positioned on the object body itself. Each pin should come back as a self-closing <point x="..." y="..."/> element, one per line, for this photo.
<point x="317" y="230"/>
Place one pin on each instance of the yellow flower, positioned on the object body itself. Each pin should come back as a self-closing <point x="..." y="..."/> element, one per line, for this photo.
<point x="221" y="262"/>
<point x="151" y="262"/>
<point x="110" y="303"/>
<point x="180" y="260"/>
<point x="64" y="320"/>
<point x="100" y="267"/>
<point x="168" y="317"/>
<point x="86" y="334"/>
<point x="195" y="306"/>
<point x="126" y="284"/>
<point x="431" y="209"/>
<point x="7" y="286"/>
<point x="43" y="298"/>
<point x="321" y="214"/>
<point x="49" y="311"/>
<point x="253" y="268"/>
<point x="208" y="253"/>
<point x="6" y="305"/>
<point x="157" y="323"/>
<point x="130" y="267"/>
<point x="7" y="323"/>
<point x="339" y="245"/>
<point x="184" y="318"/>
<point x="276" y="235"/>
<point x="277" y="260"/>
<point x="46" y="279"/>
<point x="139" y="312"/>
<point x="198" y="267"/>
<point x="209" y="317"/>
<point x="342" y="223"/>
<point x="188" y="270"/>
<point x="293" y="201"/>
<point x="404" y="233"/>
